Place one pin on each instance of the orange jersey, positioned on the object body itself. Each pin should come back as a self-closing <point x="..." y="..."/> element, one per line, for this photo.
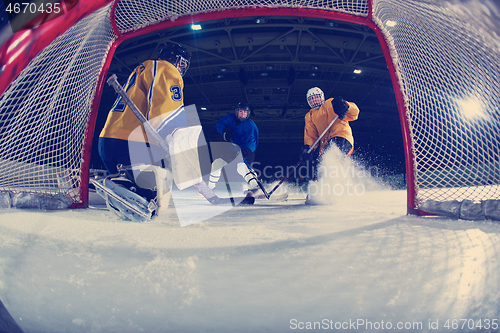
<point x="316" y="121"/>
<point x="155" y="87"/>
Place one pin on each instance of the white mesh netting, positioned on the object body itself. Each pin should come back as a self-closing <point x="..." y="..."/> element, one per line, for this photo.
<point x="447" y="67"/>
<point x="449" y="75"/>
<point x="135" y="14"/>
<point x="45" y="111"/>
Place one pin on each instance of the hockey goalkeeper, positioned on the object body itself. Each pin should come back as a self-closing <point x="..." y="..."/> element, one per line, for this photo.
<point x="156" y="88"/>
<point x="152" y="104"/>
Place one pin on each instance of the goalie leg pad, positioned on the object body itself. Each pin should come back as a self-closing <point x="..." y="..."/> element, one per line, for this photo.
<point x="160" y="180"/>
<point x="183" y="148"/>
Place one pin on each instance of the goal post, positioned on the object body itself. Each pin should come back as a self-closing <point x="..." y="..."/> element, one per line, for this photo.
<point x="442" y="63"/>
<point x="49" y="79"/>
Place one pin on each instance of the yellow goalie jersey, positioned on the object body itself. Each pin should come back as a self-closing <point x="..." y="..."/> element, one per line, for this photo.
<point x="155" y="87"/>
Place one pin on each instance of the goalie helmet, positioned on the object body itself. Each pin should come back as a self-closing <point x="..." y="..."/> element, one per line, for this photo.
<point x="242" y="116"/>
<point x="315" y="98"/>
<point x="177" y="56"/>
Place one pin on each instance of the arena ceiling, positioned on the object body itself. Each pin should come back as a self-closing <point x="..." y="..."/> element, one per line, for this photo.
<point x="271" y="62"/>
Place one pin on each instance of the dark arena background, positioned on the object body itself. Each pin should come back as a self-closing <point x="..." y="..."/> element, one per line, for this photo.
<point x="270" y="63"/>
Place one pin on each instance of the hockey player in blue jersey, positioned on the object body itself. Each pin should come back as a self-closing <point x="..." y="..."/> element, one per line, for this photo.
<point x="239" y="129"/>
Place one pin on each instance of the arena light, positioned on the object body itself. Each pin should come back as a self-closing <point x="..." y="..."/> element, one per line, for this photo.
<point x="195" y="26"/>
<point x="357" y="71"/>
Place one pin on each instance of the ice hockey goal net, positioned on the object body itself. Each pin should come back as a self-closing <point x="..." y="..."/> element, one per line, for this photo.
<point x="443" y="61"/>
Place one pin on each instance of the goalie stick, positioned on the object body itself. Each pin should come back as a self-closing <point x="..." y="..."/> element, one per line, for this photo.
<point x="202" y="187"/>
<point x="112" y="81"/>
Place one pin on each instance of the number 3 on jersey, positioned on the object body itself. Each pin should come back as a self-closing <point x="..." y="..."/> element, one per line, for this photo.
<point x="176" y="93"/>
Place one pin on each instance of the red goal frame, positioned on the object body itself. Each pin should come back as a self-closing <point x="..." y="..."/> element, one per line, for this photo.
<point x="13" y="58"/>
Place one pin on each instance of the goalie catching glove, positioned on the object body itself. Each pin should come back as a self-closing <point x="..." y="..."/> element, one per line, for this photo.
<point x="340" y="107"/>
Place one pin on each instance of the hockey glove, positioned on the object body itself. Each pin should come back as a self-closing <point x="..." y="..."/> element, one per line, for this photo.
<point x="304" y="155"/>
<point x="248" y="155"/>
<point x="227" y="134"/>
<point x="340" y="107"/>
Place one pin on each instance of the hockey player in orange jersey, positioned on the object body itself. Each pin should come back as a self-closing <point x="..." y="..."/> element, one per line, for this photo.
<point x="317" y="120"/>
<point x="156" y="88"/>
<point x="140" y="168"/>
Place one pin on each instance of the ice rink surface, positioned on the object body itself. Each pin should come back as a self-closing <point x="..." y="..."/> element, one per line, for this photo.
<point x="358" y="265"/>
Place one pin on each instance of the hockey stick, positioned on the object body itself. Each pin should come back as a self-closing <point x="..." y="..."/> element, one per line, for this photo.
<point x="201" y="187"/>
<point x="228" y="187"/>
<point x="112" y="81"/>
<point x="309" y="151"/>
<point x="261" y="186"/>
